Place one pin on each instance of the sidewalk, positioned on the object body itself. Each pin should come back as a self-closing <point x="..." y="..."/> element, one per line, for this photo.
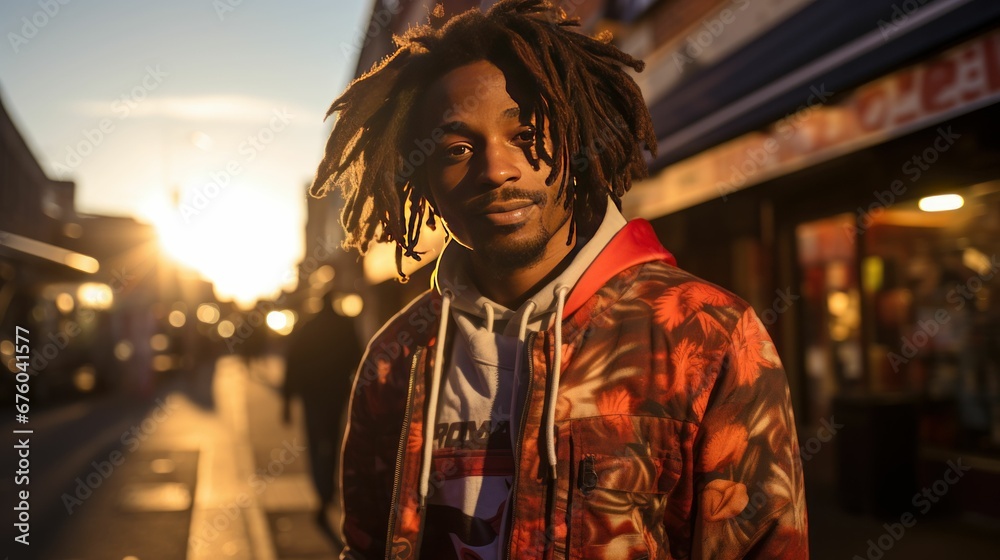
<point x="255" y="499"/>
<point x="281" y="461"/>
<point x="211" y="478"/>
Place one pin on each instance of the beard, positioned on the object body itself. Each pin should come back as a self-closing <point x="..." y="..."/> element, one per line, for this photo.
<point x="503" y="254"/>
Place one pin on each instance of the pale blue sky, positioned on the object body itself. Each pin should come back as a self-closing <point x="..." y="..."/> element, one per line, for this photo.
<point x="197" y="83"/>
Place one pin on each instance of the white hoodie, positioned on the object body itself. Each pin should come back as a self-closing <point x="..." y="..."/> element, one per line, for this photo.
<point x="479" y="399"/>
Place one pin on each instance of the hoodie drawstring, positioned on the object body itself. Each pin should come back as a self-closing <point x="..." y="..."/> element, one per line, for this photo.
<point x="431" y="420"/>
<point x="550" y="409"/>
<point x="550" y="405"/>
<point x="522" y="330"/>
<point x="489" y="316"/>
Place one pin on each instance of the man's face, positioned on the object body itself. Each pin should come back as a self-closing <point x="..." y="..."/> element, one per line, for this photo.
<point x="484" y="176"/>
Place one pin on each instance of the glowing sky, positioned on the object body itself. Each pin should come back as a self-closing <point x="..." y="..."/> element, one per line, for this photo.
<point x="203" y="116"/>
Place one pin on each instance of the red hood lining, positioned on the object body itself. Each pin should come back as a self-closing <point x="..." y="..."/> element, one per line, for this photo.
<point x="634" y="244"/>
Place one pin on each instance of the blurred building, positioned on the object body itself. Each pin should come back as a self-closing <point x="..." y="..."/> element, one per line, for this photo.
<point x="40" y="276"/>
<point x="100" y="301"/>
<point x="327" y="267"/>
<point x="800" y="142"/>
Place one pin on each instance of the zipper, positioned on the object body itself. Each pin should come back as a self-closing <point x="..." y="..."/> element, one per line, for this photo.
<point x="588" y="475"/>
<point x="520" y="438"/>
<point x="403" y="436"/>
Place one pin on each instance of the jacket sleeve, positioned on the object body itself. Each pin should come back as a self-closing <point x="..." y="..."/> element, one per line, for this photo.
<point x="366" y="471"/>
<point x="749" y="494"/>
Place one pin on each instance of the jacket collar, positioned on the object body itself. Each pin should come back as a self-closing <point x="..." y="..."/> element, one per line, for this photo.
<point x="635" y="244"/>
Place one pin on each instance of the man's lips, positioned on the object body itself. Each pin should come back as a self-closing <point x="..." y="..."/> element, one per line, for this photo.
<point x="506" y="206"/>
<point x="508" y="213"/>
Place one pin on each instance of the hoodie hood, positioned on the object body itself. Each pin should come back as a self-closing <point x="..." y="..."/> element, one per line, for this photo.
<point x="617" y="246"/>
<point x="451" y="276"/>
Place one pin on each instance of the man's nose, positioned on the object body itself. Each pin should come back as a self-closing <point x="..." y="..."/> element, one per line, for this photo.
<point x="499" y="165"/>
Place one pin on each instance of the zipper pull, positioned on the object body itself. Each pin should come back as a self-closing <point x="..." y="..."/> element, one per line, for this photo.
<point x="588" y="475"/>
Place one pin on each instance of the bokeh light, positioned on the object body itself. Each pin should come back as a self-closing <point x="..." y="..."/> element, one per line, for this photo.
<point x="85" y="379"/>
<point x="64" y="302"/>
<point x="349" y="305"/>
<point x="208" y="313"/>
<point x="159" y="342"/>
<point x="281" y="322"/>
<point x="177" y="318"/>
<point x="123" y="350"/>
<point x="93" y="295"/>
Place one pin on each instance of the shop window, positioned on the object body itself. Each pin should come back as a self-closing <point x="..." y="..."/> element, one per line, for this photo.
<point x="831" y="327"/>
<point x="933" y="331"/>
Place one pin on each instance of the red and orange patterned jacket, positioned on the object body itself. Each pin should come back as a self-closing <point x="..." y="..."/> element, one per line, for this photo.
<point x="674" y="431"/>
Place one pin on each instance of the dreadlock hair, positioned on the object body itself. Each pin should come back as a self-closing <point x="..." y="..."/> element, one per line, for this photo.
<point x="595" y="115"/>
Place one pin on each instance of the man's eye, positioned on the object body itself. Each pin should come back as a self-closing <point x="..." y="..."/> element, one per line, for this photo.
<point x="458" y="150"/>
<point x="526" y="135"/>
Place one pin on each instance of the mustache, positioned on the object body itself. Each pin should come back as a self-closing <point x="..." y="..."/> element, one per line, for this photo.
<point x="479" y="204"/>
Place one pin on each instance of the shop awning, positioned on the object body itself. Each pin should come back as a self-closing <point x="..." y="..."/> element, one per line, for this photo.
<point x="830" y="44"/>
<point x="18" y="244"/>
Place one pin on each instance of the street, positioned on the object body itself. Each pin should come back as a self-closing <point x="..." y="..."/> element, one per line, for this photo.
<point x="204" y="470"/>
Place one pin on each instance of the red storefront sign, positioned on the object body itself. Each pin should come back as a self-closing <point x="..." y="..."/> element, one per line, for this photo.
<point x="957" y="81"/>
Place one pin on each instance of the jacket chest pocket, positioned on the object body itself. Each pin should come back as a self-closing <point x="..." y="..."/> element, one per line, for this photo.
<point x="622" y="471"/>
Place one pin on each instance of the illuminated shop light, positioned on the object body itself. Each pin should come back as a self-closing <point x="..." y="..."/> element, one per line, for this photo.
<point x="93" y="295"/>
<point x="941" y="203"/>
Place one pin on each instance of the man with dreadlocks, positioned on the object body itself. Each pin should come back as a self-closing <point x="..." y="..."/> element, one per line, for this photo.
<point x="563" y="390"/>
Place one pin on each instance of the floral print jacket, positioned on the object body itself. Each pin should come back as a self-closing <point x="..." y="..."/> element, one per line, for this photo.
<point x="674" y="430"/>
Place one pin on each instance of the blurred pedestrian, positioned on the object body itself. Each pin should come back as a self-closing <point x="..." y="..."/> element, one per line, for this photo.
<point x="322" y="355"/>
<point x="253" y="347"/>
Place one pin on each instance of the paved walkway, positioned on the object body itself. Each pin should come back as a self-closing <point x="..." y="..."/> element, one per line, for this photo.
<point x="209" y="475"/>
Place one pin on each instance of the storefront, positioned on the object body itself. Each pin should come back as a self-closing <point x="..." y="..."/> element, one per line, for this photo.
<point x="866" y="233"/>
